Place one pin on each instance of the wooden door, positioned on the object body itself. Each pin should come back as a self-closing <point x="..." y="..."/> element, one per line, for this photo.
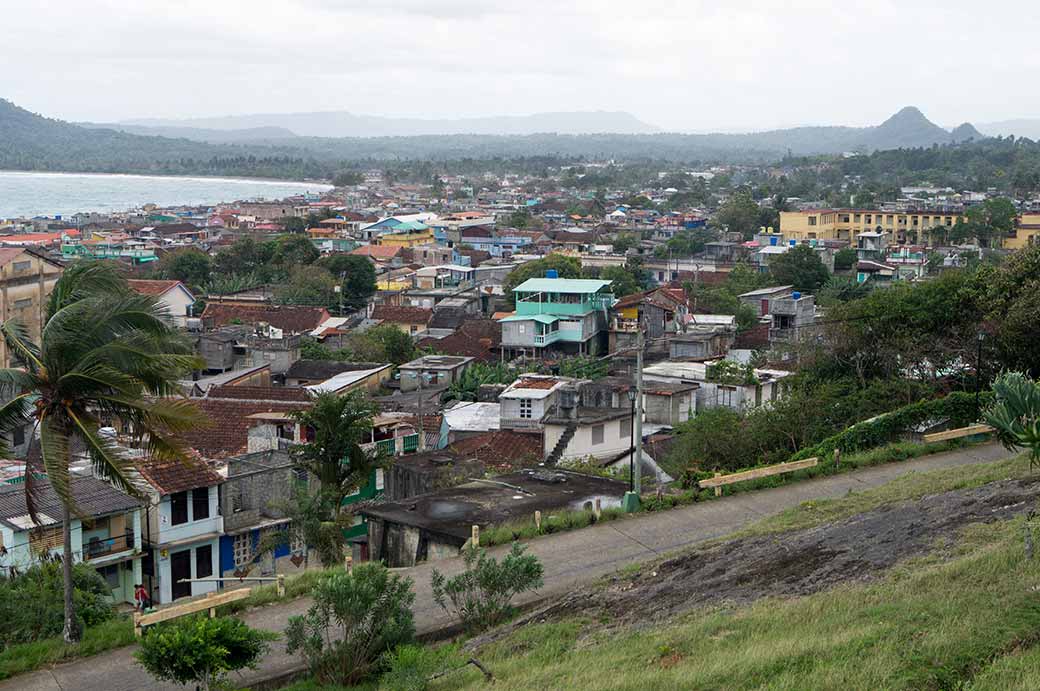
<point x="180" y="567"/>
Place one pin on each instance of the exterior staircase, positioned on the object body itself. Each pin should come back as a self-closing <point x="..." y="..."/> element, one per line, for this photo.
<point x="561" y="445"/>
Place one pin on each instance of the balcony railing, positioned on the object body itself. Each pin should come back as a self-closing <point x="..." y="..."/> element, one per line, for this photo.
<point x="95" y="547"/>
<point x="395" y="446"/>
<point x="546" y="339"/>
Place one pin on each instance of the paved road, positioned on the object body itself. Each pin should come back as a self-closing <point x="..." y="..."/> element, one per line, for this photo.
<point x="569" y="559"/>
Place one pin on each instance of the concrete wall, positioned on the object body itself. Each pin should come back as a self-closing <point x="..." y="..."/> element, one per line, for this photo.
<point x="163" y="530"/>
<point x="25" y="284"/>
<point x="616" y="438"/>
<point x="669" y="410"/>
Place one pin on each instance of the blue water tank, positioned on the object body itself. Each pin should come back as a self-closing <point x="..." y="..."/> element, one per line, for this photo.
<point x="792" y="243"/>
<point x="551" y="273"/>
<point x="773" y="240"/>
<point x="796" y="295"/>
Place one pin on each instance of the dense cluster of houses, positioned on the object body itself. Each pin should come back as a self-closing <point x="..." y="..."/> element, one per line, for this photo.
<point x="497" y="454"/>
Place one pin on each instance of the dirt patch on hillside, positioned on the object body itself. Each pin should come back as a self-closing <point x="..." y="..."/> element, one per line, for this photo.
<point x="793" y="563"/>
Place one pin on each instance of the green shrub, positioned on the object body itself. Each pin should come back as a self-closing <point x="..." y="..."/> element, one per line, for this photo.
<point x="31" y="603"/>
<point x="201" y="650"/>
<point x="356" y="618"/>
<point x="481" y="596"/>
<point x="410" y="667"/>
<point x="958" y="407"/>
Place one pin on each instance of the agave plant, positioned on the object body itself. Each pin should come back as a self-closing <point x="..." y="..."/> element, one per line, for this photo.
<point x="1015" y="413"/>
<point x="105" y="354"/>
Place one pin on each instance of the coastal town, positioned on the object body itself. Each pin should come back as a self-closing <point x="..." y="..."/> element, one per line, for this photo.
<point x="360" y="346"/>
<point x="501" y="332"/>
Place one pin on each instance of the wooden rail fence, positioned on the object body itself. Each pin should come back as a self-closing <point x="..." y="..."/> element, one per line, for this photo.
<point x="719" y="480"/>
<point x="969" y="431"/>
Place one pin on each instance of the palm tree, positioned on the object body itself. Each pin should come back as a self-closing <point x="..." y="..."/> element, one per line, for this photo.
<point x="339" y="425"/>
<point x="1015" y="413"/>
<point x="105" y="354"/>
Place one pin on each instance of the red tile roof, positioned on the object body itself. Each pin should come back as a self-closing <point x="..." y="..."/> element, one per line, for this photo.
<point x="402" y="314"/>
<point x="292" y="394"/>
<point x="477" y="338"/>
<point x="292" y="319"/>
<point x="502" y="450"/>
<point x="176" y="476"/>
<point x="229" y="432"/>
<point x="378" y="251"/>
<point x="151" y="287"/>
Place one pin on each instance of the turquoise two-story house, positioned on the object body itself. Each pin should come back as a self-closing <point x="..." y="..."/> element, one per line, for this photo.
<point x="567" y="315"/>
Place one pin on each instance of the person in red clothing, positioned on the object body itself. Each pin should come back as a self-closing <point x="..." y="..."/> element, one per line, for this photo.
<point x="141" y="599"/>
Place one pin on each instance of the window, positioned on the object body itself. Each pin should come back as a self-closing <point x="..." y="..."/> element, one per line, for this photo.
<point x="199" y="503"/>
<point x="111" y="575"/>
<point x="727" y="395"/>
<point x="625" y="428"/>
<point x="597" y="434"/>
<point x="856" y="218"/>
<point x="812" y="220"/>
<point x="179" y="508"/>
<point x="242" y="549"/>
<point x="22" y="266"/>
<point x="520" y="328"/>
<point x="23" y="303"/>
<point x="526" y="409"/>
<point x="866" y="219"/>
<point x="204" y="561"/>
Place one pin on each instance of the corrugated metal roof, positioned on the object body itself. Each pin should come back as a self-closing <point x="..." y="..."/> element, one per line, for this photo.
<point x="93" y="498"/>
<point x="543" y="318"/>
<point x="561" y="285"/>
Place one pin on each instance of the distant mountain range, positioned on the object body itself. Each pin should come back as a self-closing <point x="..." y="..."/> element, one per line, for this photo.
<point x="907" y="128"/>
<point x="344" y="124"/>
<point x="267" y="148"/>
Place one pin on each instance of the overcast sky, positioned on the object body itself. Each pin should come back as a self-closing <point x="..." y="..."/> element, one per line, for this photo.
<point x="685" y="65"/>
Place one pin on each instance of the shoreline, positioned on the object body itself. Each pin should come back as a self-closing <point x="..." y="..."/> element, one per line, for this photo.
<point x="193" y="176"/>
<point x="31" y="193"/>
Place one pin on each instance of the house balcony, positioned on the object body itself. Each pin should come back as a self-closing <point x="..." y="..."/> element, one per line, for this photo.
<point x="547" y="338"/>
<point x="395" y="446"/>
<point x="98" y="548"/>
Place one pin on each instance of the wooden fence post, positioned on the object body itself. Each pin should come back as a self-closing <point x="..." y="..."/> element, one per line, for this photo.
<point x="475" y="540"/>
<point x="597" y="508"/>
<point x="718" y="490"/>
<point x="280" y="584"/>
<point x="538" y="521"/>
<point x="138" y="631"/>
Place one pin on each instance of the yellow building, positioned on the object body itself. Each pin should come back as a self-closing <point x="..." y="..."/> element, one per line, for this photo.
<point x="26" y="280"/>
<point x="903" y="228"/>
<point x="1026" y="234"/>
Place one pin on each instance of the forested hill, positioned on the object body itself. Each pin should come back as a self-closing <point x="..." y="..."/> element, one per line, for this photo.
<point x="32" y="142"/>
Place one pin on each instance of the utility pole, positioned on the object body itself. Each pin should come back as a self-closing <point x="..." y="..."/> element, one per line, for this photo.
<point x="630" y="502"/>
<point x="422" y="432"/>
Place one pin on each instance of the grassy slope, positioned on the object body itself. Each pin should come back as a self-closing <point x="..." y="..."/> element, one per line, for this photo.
<point x="966" y="616"/>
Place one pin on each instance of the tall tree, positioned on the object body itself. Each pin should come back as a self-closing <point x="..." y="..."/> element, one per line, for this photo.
<point x="105" y="353"/>
<point x="799" y="267"/>
<point x="357" y="276"/>
<point x="339" y="425"/>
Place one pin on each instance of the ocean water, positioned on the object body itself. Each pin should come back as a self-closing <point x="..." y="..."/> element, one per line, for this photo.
<point x="49" y="194"/>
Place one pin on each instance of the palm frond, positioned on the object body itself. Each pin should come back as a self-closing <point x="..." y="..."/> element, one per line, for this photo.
<point x="109" y="460"/>
<point x="17" y="379"/>
<point x="85" y="279"/>
<point x="15" y="413"/>
<point x="24" y="350"/>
